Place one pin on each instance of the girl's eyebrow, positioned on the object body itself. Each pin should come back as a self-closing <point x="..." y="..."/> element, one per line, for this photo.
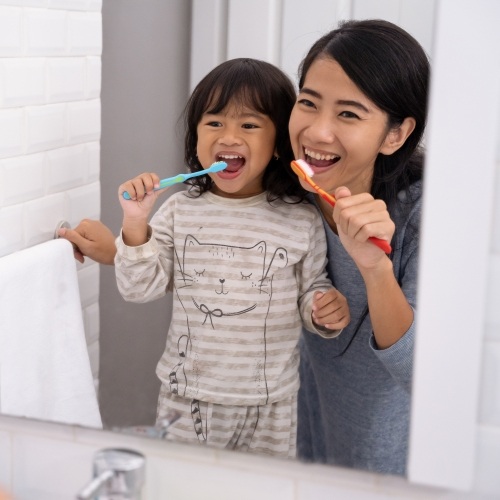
<point x="342" y="102"/>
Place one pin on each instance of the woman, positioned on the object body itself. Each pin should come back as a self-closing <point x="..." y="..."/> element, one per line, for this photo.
<point x="358" y="121"/>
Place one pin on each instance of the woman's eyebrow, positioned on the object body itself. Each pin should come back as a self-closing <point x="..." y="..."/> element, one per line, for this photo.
<point x="355" y="104"/>
<point x="342" y="102"/>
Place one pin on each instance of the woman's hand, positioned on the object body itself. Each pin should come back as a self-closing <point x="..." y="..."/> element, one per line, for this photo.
<point x="91" y="238"/>
<point x="359" y="217"/>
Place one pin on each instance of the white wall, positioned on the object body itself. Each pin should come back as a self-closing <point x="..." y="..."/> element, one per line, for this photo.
<point x="50" y="108"/>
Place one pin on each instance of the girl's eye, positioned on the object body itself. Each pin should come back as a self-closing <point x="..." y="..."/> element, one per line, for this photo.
<point x="214" y="124"/>
<point x="249" y="126"/>
<point x="348" y="114"/>
<point x="306" y="102"/>
<point x="199" y="273"/>
<point x="245" y="277"/>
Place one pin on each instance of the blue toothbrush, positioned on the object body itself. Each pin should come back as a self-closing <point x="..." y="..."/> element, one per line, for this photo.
<point x="215" y="167"/>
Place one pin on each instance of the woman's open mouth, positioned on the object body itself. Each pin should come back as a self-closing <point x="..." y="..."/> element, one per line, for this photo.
<point x="320" y="160"/>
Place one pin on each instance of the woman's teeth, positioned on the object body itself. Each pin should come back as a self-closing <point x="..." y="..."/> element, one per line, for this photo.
<point x="318" y="156"/>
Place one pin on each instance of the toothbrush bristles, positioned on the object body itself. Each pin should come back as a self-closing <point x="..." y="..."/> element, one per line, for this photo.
<point x="304" y="166"/>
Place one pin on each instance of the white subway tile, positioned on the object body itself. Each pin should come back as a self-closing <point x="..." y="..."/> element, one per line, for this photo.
<point x="41" y="217"/>
<point x="94" y="149"/>
<point x="46" y="127"/>
<point x="489" y="408"/>
<point x="31" y="3"/>
<point x="66" y="79"/>
<point x="11" y="34"/>
<point x="11" y="229"/>
<point x="67" y="168"/>
<point x="68" y="4"/>
<point x="84" y="202"/>
<point x="12" y="136"/>
<point x="88" y="283"/>
<point x="22" y="178"/>
<point x="94" y="5"/>
<point x="487" y="479"/>
<point x="84" y="121"/>
<point x="93" y="83"/>
<point x="5" y="460"/>
<point x="24" y="81"/>
<point x="91" y="321"/>
<point x="58" y="475"/>
<point x="85" y="33"/>
<point x="46" y="32"/>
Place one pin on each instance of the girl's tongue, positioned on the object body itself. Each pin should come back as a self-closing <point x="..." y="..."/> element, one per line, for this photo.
<point x="233" y="164"/>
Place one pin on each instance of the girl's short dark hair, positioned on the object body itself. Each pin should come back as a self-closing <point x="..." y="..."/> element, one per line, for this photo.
<point x="260" y="86"/>
<point x="390" y="67"/>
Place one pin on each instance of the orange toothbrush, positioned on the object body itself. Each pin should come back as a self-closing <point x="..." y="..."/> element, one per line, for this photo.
<point x="305" y="172"/>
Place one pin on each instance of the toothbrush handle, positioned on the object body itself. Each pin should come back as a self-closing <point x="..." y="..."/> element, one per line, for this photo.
<point x="382" y="244"/>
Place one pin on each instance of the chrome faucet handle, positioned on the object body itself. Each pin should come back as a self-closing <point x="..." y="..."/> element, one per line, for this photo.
<point x="118" y="475"/>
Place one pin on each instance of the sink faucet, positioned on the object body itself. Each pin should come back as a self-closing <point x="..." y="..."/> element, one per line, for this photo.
<point x="118" y="475"/>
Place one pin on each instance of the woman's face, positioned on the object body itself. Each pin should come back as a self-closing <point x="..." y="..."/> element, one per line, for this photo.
<point x="336" y="129"/>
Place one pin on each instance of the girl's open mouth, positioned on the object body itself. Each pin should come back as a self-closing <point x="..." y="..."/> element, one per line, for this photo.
<point x="234" y="164"/>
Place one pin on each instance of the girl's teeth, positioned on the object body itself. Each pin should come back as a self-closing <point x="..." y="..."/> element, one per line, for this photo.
<point x="229" y="157"/>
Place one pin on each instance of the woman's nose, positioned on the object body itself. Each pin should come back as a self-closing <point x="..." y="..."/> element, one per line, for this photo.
<point x="321" y="129"/>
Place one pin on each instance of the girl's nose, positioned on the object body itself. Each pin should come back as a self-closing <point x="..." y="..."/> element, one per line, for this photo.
<point x="229" y="137"/>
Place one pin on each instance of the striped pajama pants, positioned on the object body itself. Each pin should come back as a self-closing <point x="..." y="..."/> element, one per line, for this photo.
<point x="269" y="429"/>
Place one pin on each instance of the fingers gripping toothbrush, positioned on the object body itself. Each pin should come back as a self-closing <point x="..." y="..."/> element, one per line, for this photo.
<point x="176" y="179"/>
<point x="305" y="172"/>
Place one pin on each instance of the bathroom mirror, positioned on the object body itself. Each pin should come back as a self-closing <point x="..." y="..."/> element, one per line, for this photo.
<point x="143" y="131"/>
<point x="150" y="61"/>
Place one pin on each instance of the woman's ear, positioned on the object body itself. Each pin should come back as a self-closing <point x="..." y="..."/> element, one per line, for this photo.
<point x="397" y="136"/>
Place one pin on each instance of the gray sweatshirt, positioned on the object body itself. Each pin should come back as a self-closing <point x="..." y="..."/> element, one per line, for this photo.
<point x="354" y="408"/>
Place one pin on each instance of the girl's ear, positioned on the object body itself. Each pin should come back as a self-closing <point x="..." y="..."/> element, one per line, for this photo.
<point x="396" y="137"/>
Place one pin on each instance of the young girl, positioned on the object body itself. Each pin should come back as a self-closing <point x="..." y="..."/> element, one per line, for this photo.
<point x="245" y="258"/>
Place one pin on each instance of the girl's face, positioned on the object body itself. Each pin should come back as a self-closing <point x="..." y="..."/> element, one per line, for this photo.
<point x="336" y="129"/>
<point x="243" y="138"/>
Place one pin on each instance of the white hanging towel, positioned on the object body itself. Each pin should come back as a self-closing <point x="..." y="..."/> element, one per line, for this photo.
<point x="44" y="363"/>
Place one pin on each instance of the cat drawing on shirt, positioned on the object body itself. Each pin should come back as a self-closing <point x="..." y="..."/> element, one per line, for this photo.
<point x="224" y="291"/>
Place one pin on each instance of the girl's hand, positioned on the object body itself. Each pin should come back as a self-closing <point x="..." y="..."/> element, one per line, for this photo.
<point x="330" y="310"/>
<point x="142" y="194"/>
<point x="136" y="210"/>
<point x="359" y="217"/>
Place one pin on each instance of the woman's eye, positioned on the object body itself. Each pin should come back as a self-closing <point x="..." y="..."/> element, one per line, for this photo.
<point x="245" y="276"/>
<point x="348" y="114"/>
<point x="199" y="273"/>
<point x="306" y="102"/>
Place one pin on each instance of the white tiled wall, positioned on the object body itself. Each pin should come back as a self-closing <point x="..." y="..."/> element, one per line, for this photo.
<point x="50" y="127"/>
